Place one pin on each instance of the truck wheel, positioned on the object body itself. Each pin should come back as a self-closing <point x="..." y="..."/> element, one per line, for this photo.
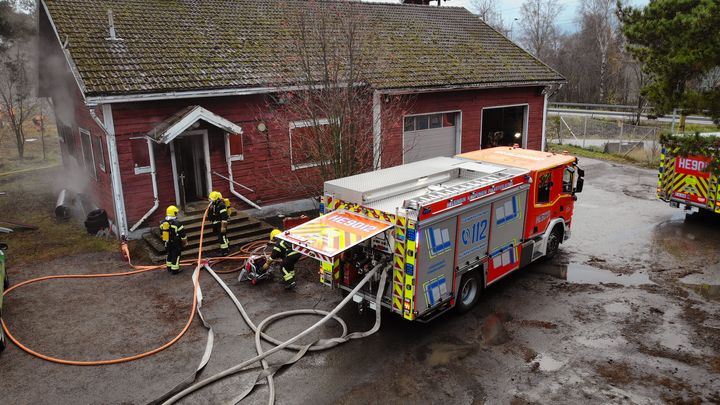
<point x="6" y="282"/>
<point x="553" y="243"/>
<point x="469" y="291"/>
<point x="2" y="340"/>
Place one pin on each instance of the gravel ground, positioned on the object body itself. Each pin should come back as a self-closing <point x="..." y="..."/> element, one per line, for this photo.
<point x="626" y="313"/>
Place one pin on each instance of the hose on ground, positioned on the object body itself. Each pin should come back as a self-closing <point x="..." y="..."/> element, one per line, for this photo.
<point x="138" y="269"/>
<point x="320" y="345"/>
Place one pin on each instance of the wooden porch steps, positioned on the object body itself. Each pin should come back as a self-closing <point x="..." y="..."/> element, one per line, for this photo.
<point x="242" y="229"/>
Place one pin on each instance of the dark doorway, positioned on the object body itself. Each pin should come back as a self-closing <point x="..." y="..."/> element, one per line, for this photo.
<point x="503" y="126"/>
<point x="191" y="167"/>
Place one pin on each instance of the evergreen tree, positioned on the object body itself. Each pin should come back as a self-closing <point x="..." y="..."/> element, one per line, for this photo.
<point x="678" y="43"/>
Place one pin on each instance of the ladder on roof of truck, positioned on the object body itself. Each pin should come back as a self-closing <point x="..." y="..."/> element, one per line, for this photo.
<point x="446" y="192"/>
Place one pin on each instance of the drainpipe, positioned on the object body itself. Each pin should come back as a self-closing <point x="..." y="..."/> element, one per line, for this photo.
<point x="120" y="220"/>
<point x="377" y="129"/>
<point x="153" y="176"/>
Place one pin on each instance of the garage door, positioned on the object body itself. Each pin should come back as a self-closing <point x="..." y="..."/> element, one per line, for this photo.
<point x="430" y="135"/>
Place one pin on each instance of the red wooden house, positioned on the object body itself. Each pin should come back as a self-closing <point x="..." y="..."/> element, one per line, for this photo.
<point x="160" y="101"/>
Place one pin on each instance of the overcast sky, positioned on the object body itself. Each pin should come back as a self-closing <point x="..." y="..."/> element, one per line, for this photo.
<point x="510" y="9"/>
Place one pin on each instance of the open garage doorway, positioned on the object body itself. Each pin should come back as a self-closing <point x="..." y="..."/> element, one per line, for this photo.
<point x="504" y="126"/>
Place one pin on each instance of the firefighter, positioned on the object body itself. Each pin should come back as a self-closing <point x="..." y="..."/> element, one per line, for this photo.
<point x="174" y="237"/>
<point x="282" y="251"/>
<point x="218" y="214"/>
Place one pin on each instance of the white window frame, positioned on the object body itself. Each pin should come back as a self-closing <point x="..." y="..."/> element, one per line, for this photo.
<point x="83" y="132"/>
<point x="526" y="118"/>
<point x="228" y="154"/>
<point x="458" y="129"/>
<point x="304" y="124"/>
<point x="141" y="169"/>
<point x="101" y="161"/>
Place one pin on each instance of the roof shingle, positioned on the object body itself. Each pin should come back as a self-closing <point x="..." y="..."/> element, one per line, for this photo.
<point x="183" y="45"/>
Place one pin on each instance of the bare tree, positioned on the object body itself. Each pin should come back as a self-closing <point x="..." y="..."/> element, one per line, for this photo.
<point x="599" y="16"/>
<point x="488" y="12"/>
<point x="539" y="30"/>
<point x="331" y="121"/>
<point x="17" y="103"/>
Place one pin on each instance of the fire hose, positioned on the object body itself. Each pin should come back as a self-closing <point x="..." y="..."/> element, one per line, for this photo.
<point x="323" y="344"/>
<point x="268" y="372"/>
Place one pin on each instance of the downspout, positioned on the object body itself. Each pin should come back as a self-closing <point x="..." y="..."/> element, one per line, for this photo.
<point x="543" y="139"/>
<point x="377" y="130"/>
<point x="230" y="176"/>
<point x="153" y="176"/>
<point x="549" y="91"/>
<point x="120" y="220"/>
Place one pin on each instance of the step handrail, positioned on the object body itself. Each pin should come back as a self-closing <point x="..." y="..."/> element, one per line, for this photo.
<point x="235" y="193"/>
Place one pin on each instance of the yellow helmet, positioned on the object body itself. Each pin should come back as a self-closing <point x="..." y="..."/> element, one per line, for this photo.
<point x="215" y="195"/>
<point x="274" y="233"/>
<point x="171" y="211"/>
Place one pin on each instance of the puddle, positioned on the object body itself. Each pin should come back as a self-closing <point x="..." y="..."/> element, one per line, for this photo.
<point x="578" y="273"/>
<point x="687" y="237"/>
<point x="601" y="343"/>
<point x="617" y="308"/>
<point x="707" y="291"/>
<point x="547" y="363"/>
<point x="441" y="354"/>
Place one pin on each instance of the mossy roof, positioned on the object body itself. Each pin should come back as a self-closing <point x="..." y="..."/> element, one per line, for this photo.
<point x="187" y="45"/>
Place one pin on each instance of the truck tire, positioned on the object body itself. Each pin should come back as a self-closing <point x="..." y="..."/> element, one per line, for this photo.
<point x="469" y="291"/>
<point x="553" y="243"/>
<point x="6" y="282"/>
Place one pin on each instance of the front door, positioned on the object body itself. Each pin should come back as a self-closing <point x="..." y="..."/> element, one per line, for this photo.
<point x="191" y="169"/>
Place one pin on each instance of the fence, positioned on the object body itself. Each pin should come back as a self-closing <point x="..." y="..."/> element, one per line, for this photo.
<point x="609" y="136"/>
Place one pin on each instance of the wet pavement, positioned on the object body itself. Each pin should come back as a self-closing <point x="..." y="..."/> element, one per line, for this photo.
<point x="626" y="313"/>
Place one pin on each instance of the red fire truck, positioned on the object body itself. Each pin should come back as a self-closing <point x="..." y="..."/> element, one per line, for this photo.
<point x="448" y="226"/>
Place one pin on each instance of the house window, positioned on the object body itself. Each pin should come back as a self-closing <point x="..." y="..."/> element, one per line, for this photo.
<point x="303" y="138"/>
<point x="98" y="152"/>
<point x="409" y="124"/>
<point x="422" y="122"/>
<point x="429" y="121"/>
<point x="234" y="145"/>
<point x="66" y="137"/>
<point x="140" y="155"/>
<point x="87" y="152"/>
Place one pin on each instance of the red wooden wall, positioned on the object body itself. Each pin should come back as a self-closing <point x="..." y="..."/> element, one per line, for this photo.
<point x="471" y="103"/>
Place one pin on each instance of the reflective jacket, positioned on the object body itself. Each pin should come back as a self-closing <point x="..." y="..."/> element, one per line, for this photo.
<point x="172" y="231"/>
<point x="218" y="211"/>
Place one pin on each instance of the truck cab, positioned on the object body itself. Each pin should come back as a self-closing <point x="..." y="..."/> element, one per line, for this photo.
<point x="445" y="228"/>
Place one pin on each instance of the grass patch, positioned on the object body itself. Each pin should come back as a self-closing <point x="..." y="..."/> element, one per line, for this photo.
<point x="30" y="198"/>
<point x="33" y="156"/>
<point x="637" y="159"/>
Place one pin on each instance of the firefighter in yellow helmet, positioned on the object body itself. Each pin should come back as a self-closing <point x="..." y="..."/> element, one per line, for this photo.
<point x="218" y="214"/>
<point x="282" y="251"/>
<point x="174" y="237"/>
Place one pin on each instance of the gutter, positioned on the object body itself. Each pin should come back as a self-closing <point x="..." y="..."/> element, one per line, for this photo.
<point x="153" y="177"/>
<point x="475" y="86"/>
<point x="190" y="94"/>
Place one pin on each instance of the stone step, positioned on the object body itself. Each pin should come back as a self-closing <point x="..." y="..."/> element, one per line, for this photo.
<point x="193" y="230"/>
<point x="254" y="231"/>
